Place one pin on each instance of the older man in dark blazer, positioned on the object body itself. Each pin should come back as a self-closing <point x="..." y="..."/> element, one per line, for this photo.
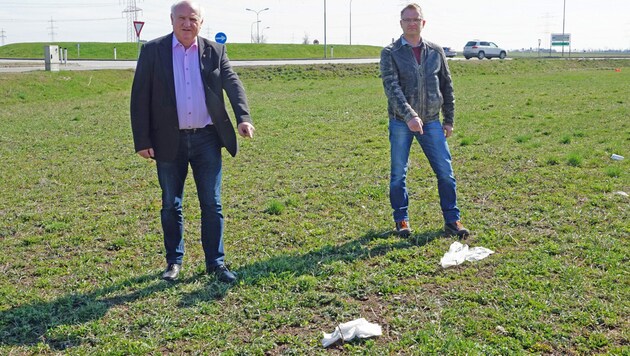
<point x="178" y="118"/>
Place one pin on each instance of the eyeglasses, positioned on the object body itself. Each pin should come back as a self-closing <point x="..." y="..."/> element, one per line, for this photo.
<point x="418" y="20"/>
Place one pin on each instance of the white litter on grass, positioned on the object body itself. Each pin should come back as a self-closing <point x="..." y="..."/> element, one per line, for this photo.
<point x="360" y="328"/>
<point x="622" y="193"/>
<point x="459" y="253"/>
<point x="501" y="330"/>
<point x="616" y="157"/>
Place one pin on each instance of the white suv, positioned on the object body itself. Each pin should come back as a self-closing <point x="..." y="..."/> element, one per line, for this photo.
<point x="483" y="49"/>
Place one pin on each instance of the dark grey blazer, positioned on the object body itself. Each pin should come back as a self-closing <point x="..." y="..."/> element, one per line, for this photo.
<point x="154" y="119"/>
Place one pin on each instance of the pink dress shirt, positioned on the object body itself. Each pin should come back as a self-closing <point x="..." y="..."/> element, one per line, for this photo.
<point x="189" y="95"/>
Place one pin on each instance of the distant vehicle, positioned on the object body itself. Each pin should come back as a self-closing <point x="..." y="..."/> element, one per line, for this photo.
<point x="483" y="49"/>
<point x="449" y="52"/>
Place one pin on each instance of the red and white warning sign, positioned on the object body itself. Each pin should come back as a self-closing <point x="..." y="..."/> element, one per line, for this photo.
<point x="138" y="26"/>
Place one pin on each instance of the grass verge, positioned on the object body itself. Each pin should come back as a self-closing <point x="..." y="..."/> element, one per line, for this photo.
<point x="308" y="219"/>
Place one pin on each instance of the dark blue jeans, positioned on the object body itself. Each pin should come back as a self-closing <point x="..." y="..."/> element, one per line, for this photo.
<point x="433" y="143"/>
<point x="202" y="150"/>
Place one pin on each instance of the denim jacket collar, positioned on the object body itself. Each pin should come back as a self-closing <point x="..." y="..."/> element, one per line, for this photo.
<point x="404" y="42"/>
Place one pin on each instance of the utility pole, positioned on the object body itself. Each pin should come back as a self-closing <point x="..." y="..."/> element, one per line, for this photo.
<point x="548" y="20"/>
<point x="350" y="22"/>
<point x="3" y="36"/>
<point x="564" y="7"/>
<point x="131" y="11"/>
<point x="52" y="30"/>
<point x="325" y="45"/>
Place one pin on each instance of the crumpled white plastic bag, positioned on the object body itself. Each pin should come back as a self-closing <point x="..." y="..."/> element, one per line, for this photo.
<point x="459" y="253"/>
<point x="360" y="328"/>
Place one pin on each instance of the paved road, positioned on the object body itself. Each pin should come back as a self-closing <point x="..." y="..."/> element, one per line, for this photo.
<point x="16" y="66"/>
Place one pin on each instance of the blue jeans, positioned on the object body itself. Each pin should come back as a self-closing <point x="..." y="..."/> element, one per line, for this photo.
<point x="202" y="150"/>
<point x="433" y="143"/>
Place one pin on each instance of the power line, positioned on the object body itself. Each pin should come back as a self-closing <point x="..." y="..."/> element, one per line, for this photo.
<point x="57" y="5"/>
<point x="131" y="12"/>
<point x="52" y="30"/>
<point x="84" y="20"/>
<point x="68" y="20"/>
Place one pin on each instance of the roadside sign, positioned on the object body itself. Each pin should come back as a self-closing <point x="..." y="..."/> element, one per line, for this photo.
<point x="560" y="39"/>
<point x="220" y="37"/>
<point x="138" y="26"/>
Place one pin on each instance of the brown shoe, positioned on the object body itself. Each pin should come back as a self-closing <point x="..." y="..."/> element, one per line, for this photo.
<point x="456" y="228"/>
<point x="402" y="228"/>
<point x="171" y="272"/>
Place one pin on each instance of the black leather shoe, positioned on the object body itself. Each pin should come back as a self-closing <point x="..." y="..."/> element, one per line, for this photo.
<point x="171" y="272"/>
<point x="222" y="273"/>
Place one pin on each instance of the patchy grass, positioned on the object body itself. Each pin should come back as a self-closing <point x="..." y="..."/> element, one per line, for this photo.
<point x="79" y="219"/>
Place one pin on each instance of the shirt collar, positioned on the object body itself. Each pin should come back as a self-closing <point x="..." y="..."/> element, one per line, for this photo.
<point x="177" y="43"/>
<point x="406" y="43"/>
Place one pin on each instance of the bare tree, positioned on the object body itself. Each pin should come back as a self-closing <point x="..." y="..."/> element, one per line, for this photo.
<point x="305" y="39"/>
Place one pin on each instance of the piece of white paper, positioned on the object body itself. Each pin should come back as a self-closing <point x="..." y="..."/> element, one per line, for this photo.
<point x="360" y="328"/>
<point x="458" y="253"/>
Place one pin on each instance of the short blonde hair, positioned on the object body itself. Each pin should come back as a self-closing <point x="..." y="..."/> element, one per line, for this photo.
<point x="412" y="6"/>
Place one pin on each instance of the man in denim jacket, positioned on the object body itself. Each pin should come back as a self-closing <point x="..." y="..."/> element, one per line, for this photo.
<point x="418" y="85"/>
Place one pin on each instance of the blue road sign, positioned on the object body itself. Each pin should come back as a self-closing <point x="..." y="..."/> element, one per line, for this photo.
<point x="220" y="37"/>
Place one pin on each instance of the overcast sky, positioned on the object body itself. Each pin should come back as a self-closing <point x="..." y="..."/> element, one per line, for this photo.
<point x="601" y="24"/>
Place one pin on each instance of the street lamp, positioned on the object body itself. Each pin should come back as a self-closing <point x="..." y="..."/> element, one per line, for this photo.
<point x="251" y="31"/>
<point x="258" y="22"/>
<point x="350" y="22"/>
<point x="262" y="33"/>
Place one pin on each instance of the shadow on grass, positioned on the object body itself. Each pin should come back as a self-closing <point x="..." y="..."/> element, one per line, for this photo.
<point x="310" y="263"/>
<point x="37" y="322"/>
<point x="33" y="323"/>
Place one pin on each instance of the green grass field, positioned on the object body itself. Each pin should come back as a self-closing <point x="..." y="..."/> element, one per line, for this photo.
<point x="236" y="51"/>
<point x="252" y="51"/>
<point x="308" y="220"/>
